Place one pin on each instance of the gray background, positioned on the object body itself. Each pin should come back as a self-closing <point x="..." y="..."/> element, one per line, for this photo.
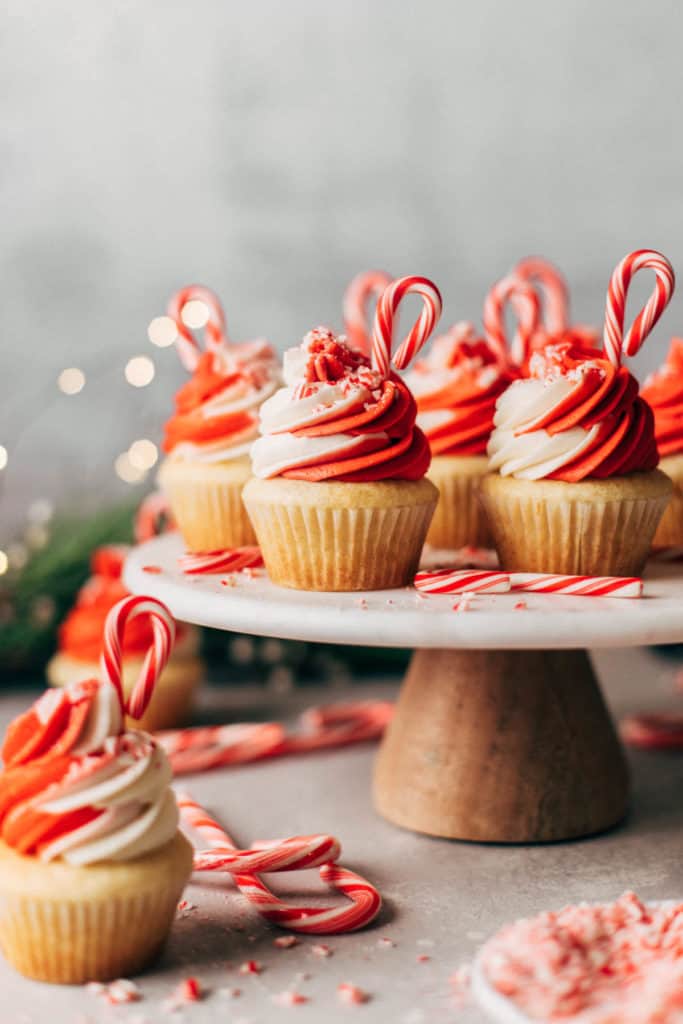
<point x="272" y="150"/>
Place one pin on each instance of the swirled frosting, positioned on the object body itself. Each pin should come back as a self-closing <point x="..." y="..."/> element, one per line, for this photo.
<point x="337" y="419"/>
<point x="78" y="788"/>
<point x="216" y="417"/>
<point x="80" y="634"/>
<point x="576" y="416"/>
<point x="663" y="390"/>
<point x="456" y="386"/>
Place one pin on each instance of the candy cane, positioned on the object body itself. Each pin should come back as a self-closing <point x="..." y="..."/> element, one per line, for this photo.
<point x="527" y="307"/>
<point x="544" y="275"/>
<point x="462" y="581"/>
<point x="614" y="343"/>
<point x="215" y="335"/>
<point x="155" y="660"/>
<point x="360" y="291"/>
<point x="365" y="899"/>
<point x="385" y="317"/>
<point x="579" y="586"/>
<point x="653" y="731"/>
<point x="228" y="560"/>
<point x="152" y="508"/>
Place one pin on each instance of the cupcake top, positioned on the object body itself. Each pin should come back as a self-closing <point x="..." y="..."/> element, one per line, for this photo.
<point x="456" y="386"/>
<point x="579" y="413"/>
<point x="663" y="390"/>
<point x="79" y="788"/>
<point x="216" y="411"/>
<point x="342" y="415"/>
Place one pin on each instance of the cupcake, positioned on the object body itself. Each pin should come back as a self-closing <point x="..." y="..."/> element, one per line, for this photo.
<point x="576" y="488"/>
<point x="663" y="390"/>
<point x="208" y="438"/>
<point x="91" y="860"/>
<point x="80" y="644"/>
<point x="339" y="498"/>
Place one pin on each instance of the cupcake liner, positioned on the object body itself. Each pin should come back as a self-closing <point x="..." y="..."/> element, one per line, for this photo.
<point x="206" y="501"/>
<point x="669" y="533"/>
<point x="459" y="519"/>
<point x="338" y="536"/>
<point x="173" y="695"/>
<point x="69" y="925"/>
<point x="594" y="528"/>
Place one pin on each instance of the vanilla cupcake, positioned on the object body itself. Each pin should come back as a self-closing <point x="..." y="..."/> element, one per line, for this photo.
<point x="80" y="645"/>
<point x="339" y="499"/>
<point x="576" y="488"/>
<point x="207" y="440"/>
<point x="91" y="860"/>
<point x="663" y="391"/>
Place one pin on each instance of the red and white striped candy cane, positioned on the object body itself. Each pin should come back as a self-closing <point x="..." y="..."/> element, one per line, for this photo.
<point x="462" y="581"/>
<point x="525" y="302"/>
<point x="365" y="899"/>
<point x="111" y="658"/>
<point x="614" y="343"/>
<point x="385" y="322"/>
<point x="228" y="560"/>
<point x="153" y="508"/>
<point x="544" y="275"/>
<point x="215" y="332"/>
<point x="364" y="287"/>
<point x="579" y="586"/>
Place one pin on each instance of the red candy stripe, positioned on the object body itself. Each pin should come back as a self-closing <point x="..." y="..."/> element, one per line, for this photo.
<point x="653" y="731"/>
<point x="155" y="660"/>
<point x="360" y="291"/>
<point x="580" y="586"/>
<point x="527" y="308"/>
<point x="462" y="581"/>
<point x="385" y="318"/>
<point x="614" y="343"/>
<point x="544" y="275"/>
<point x="285" y="855"/>
<point x="215" y="333"/>
<point x="152" y="510"/>
<point x="228" y="560"/>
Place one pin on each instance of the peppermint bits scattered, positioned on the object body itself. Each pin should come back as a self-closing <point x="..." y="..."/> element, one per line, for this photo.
<point x="351" y="994"/>
<point x="251" y="967"/>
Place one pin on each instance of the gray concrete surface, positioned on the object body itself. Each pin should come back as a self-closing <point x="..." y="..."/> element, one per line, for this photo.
<point x="441" y="898"/>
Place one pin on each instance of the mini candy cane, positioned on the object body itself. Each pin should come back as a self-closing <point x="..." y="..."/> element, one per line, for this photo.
<point x="385" y="317"/>
<point x="152" y="509"/>
<point x="462" y="581"/>
<point x="228" y="560"/>
<point x="187" y="345"/>
<point x="540" y="272"/>
<point x="155" y="660"/>
<point x="365" y="899"/>
<point x="614" y="343"/>
<point x="360" y="291"/>
<point x="579" y="586"/>
<point x="527" y="309"/>
<point x="653" y="731"/>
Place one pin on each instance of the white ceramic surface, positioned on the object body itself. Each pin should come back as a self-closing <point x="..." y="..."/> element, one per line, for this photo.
<point x="402" y="618"/>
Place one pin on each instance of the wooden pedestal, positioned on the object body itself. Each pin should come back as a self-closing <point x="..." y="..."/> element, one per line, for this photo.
<point x="501" y="746"/>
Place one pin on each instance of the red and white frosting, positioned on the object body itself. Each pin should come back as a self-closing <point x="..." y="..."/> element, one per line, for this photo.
<point x="456" y="386"/>
<point x="337" y="418"/>
<point x="663" y="390"/>
<point x="77" y="787"/>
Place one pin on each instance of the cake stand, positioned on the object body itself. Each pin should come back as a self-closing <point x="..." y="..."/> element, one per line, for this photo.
<point x="500" y="732"/>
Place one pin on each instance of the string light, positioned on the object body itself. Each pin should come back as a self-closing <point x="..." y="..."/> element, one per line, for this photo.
<point x="162" y="331"/>
<point x="3" y="456"/>
<point x="126" y="471"/>
<point x="4" y="563"/>
<point x="143" y="454"/>
<point x="71" y="381"/>
<point x="195" y="314"/>
<point x="139" y="371"/>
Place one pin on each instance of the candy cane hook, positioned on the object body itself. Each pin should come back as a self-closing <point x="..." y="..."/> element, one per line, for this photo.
<point x="215" y="331"/>
<point x="364" y="287"/>
<point x="545" y="276"/>
<point x="614" y="343"/>
<point x="525" y="302"/>
<point x="111" y="659"/>
<point x="385" y="322"/>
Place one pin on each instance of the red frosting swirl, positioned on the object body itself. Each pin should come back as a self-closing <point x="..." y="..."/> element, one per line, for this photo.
<point x="663" y="390"/>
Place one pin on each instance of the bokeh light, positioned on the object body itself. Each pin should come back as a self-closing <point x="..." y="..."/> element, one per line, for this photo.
<point x="162" y="331"/>
<point x="3" y="456"/>
<point x="17" y="555"/>
<point x="4" y="563"/>
<point x="37" y="535"/>
<point x="195" y="314"/>
<point x="143" y="454"/>
<point x="71" y="381"/>
<point x="41" y="510"/>
<point x="139" y="371"/>
<point x="126" y="471"/>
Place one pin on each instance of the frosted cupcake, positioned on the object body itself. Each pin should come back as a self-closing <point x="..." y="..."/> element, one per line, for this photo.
<point x="576" y="488"/>
<point x="91" y="860"/>
<point x="663" y="390"/>
<point x="80" y="644"/>
<point x="207" y="440"/>
<point x="339" y="499"/>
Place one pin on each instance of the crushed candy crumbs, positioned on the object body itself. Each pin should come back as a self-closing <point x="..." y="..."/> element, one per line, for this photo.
<point x="351" y="994"/>
<point x="289" y="998"/>
<point x="285" y="941"/>
<point x="250" y="967"/>
<point x="321" y="950"/>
